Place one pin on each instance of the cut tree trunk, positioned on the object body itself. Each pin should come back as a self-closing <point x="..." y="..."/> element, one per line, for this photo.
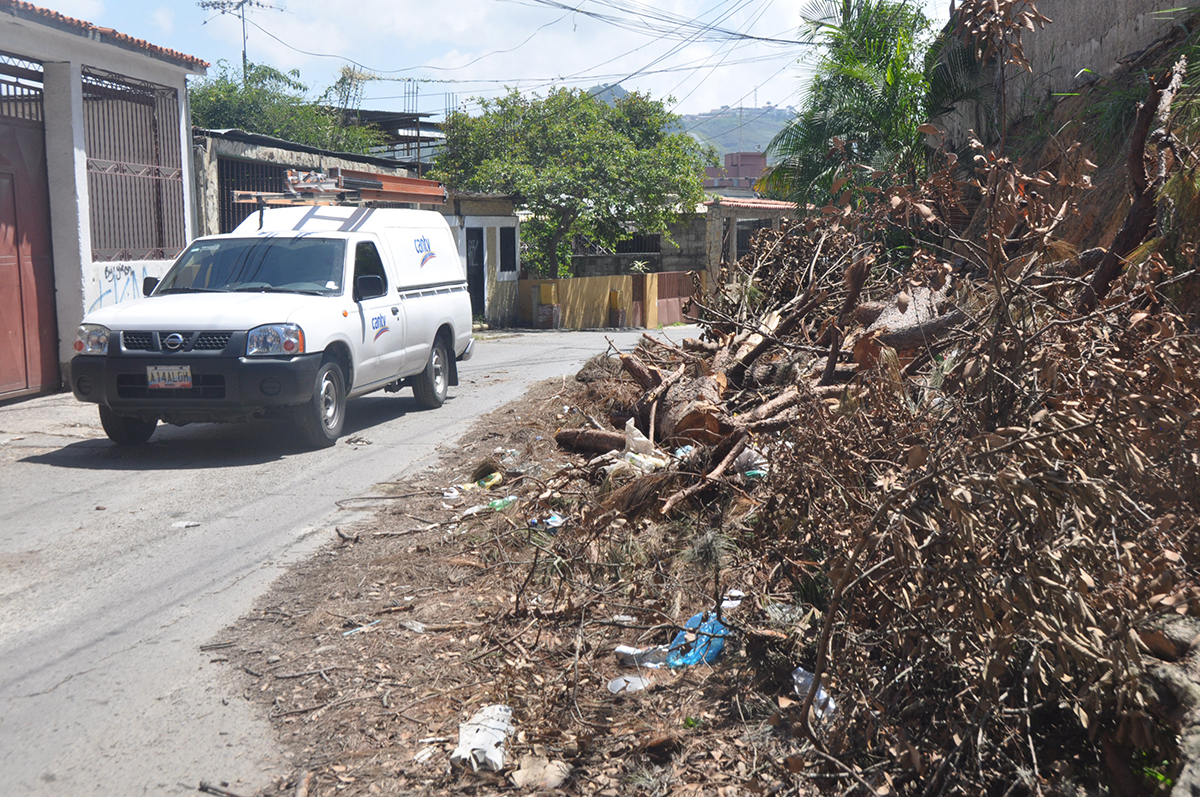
<point x="694" y="411"/>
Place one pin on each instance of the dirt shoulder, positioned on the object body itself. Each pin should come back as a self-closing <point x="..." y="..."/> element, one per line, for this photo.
<point x="368" y="656"/>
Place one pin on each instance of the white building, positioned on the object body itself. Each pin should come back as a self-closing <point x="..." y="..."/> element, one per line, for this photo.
<point x="95" y="193"/>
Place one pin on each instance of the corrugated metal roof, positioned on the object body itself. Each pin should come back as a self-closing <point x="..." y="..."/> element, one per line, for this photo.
<point x="106" y="35"/>
<point x="234" y="134"/>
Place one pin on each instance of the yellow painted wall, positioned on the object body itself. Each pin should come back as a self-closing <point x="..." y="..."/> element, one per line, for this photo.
<point x="584" y="300"/>
<point x="651" y="303"/>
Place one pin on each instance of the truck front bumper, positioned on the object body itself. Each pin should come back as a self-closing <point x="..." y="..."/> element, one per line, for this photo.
<point x="223" y="388"/>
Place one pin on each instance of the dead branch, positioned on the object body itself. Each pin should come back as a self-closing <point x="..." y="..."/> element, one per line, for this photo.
<point x="1144" y="210"/>
<point x="742" y="439"/>
<point x="594" y="440"/>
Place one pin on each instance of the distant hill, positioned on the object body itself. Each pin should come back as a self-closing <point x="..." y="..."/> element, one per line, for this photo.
<point x="738" y="129"/>
<point x="609" y="94"/>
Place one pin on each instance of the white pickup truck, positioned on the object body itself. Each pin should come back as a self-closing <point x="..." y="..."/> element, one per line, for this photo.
<point x="293" y="312"/>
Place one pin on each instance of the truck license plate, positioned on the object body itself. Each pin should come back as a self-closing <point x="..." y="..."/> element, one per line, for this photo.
<point x="169" y="376"/>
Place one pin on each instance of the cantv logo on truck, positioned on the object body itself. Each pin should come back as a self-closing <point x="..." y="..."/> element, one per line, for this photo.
<point x="379" y="324"/>
<point x="425" y="249"/>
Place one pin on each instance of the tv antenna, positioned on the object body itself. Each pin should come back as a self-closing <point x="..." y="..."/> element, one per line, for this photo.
<point x="238" y="8"/>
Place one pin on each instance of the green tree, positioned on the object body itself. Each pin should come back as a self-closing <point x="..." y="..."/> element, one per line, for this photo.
<point x="582" y="167"/>
<point x="866" y="101"/>
<point x="275" y="103"/>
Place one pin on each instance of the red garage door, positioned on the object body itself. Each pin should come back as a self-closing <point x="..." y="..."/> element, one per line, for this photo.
<point x="28" y="326"/>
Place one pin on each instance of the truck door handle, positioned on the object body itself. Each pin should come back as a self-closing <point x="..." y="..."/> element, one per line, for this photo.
<point x="395" y="311"/>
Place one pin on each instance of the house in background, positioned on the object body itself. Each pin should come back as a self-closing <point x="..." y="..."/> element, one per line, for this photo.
<point x="737" y="178"/>
<point x="95" y="188"/>
<point x="488" y="234"/>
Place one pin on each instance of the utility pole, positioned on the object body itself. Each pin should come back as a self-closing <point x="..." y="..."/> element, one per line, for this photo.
<point x="238" y="8"/>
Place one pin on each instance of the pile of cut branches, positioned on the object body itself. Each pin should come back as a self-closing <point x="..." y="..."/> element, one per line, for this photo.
<point x="980" y="517"/>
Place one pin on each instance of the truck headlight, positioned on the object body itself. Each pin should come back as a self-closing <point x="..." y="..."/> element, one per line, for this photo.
<point x="275" y="340"/>
<point x="91" y="339"/>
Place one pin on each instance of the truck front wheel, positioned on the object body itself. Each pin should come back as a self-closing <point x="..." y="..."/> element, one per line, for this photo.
<point x="431" y="386"/>
<point x="123" y="430"/>
<point x="321" y="419"/>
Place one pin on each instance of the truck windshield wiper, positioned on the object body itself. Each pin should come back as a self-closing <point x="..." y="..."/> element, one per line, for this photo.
<point x="161" y="291"/>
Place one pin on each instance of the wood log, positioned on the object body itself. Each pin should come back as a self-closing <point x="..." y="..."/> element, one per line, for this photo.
<point x="594" y="440"/>
<point x="641" y="373"/>
<point x="694" y="411"/>
<point x="921" y="335"/>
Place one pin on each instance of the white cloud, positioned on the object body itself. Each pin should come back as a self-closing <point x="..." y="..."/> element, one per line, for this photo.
<point x="164" y="19"/>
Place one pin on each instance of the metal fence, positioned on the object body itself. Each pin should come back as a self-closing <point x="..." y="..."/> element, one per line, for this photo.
<point x="20" y="89"/>
<point x="238" y="175"/>
<point x="134" y="165"/>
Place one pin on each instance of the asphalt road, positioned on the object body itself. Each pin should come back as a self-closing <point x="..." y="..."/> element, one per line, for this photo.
<point x="117" y="564"/>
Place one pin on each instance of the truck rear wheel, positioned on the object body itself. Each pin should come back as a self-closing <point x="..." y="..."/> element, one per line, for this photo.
<point x="123" y="430"/>
<point x="321" y="419"/>
<point x="432" y="385"/>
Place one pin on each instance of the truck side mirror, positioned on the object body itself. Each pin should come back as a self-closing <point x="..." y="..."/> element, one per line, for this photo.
<point x="368" y="286"/>
<point x="148" y="285"/>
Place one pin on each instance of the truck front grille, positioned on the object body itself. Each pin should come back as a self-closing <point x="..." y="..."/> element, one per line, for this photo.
<point x="211" y="341"/>
<point x="137" y="341"/>
<point x="192" y="341"/>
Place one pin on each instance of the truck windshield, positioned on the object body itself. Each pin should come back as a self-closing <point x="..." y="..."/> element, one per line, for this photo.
<point x="274" y="265"/>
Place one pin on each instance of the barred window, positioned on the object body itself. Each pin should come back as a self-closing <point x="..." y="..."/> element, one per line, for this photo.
<point x="134" y="168"/>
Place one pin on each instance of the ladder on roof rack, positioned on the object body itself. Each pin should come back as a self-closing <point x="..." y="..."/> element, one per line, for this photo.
<point x="346" y="186"/>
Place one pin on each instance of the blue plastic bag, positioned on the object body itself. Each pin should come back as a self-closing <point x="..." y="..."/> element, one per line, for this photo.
<point x="709" y="641"/>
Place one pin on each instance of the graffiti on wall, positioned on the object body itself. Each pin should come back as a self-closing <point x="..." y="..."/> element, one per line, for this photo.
<point x="115" y="283"/>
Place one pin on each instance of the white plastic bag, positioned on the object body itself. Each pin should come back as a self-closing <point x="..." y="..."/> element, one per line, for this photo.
<point x="481" y="739"/>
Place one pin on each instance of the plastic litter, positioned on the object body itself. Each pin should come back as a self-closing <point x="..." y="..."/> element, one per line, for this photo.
<point x="554" y="522"/>
<point x="654" y="657"/>
<point x="491" y="480"/>
<point x="481" y="739"/>
<point x="823" y="704"/>
<point x="702" y="640"/>
<point x="416" y="626"/>
<point x="732" y="600"/>
<point x="502" y="503"/>
<point x="752" y="464"/>
<point x="628" y="684"/>
<point x="451" y="493"/>
<point x="361" y="628"/>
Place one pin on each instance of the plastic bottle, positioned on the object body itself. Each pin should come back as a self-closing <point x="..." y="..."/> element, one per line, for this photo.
<point x="822" y="704"/>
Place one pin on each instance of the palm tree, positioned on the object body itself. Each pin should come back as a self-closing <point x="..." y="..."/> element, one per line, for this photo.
<point x="866" y="99"/>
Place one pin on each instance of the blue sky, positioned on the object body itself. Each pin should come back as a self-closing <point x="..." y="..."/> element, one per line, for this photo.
<point x="432" y="54"/>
